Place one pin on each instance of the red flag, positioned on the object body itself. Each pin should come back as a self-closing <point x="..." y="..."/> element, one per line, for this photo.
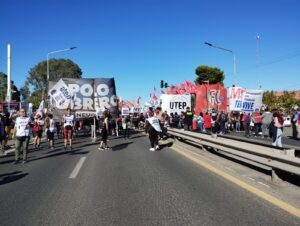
<point x="154" y="97"/>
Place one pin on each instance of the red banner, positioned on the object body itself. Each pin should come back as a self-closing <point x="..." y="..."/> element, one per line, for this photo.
<point x="210" y="97"/>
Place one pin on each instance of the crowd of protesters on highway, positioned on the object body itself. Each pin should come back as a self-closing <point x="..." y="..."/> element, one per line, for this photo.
<point x="265" y="124"/>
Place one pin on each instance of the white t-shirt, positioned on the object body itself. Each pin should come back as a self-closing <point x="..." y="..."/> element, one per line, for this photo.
<point x="22" y="126"/>
<point x="52" y="126"/>
<point x="68" y="120"/>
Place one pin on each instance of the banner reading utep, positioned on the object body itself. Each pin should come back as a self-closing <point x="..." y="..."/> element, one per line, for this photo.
<point x="83" y="96"/>
<point x="175" y="103"/>
<point x="244" y="100"/>
<point x="210" y="97"/>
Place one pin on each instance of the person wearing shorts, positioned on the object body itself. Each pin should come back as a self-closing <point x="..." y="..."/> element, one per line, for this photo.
<point x="68" y="120"/>
<point x="51" y="131"/>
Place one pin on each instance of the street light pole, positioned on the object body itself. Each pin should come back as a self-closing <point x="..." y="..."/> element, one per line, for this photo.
<point x="227" y="50"/>
<point x="48" y="72"/>
<point x="56" y="51"/>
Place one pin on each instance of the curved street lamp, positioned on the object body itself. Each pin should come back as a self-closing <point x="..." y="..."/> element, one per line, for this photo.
<point x="227" y="50"/>
<point x="56" y="51"/>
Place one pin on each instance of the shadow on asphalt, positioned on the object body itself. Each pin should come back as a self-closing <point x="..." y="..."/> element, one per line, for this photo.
<point x="11" y="177"/>
<point x="133" y="137"/>
<point x="120" y="147"/>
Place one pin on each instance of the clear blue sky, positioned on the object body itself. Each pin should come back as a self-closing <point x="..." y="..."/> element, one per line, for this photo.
<point x="140" y="42"/>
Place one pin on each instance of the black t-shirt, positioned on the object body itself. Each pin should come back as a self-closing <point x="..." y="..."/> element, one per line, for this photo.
<point x="188" y="117"/>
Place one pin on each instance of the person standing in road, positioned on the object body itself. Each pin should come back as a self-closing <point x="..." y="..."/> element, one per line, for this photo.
<point x="278" y="126"/>
<point x="153" y="128"/>
<point x="257" y="120"/>
<point x="200" y="121"/>
<point x="21" y="133"/>
<point x="38" y="130"/>
<point x="8" y="123"/>
<point x="2" y="134"/>
<point x="51" y="131"/>
<point x="294" y="124"/>
<point x="247" y="121"/>
<point x="188" y="119"/>
<point x="104" y="133"/>
<point x="267" y="118"/>
<point x="68" y="120"/>
<point x="207" y="123"/>
<point x="297" y="121"/>
<point x="222" y="120"/>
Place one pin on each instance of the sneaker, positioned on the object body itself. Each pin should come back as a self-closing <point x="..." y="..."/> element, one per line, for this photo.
<point x="157" y="147"/>
<point x="65" y="147"/>
<point x="107" y="148"/>
<point x="24" y="161"/>
<point x="101" y="149"/>
<point x="151" y="149"/>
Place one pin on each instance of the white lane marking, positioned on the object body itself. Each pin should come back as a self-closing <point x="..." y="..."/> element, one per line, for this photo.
<point x="77" y="168"/>
<point x="263" y="184"/>
<point x="251" y="178"/>
<point x="232" y="170"/>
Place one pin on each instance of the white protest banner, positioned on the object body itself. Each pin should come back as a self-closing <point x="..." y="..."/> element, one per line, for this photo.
<point x="39" y="111"/>
<point x="175" y="103"/>
<point x="60" y="95"/>
<point x="244" y="100"/>
<point x="82" y="95"/>
<point x="135" y="110"/>
<point x="125" y="111"/>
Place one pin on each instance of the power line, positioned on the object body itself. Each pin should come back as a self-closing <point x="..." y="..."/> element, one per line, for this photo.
<point x="273" y="61"/>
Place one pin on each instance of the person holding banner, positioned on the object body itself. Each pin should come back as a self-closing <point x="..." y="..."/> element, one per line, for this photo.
<point x="153" y="128"/>
<point x="68" y="120"/>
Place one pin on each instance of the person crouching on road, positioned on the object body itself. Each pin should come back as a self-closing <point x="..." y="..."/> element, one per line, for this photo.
<point x="21" y="133"/>
<point x="68" y="120"/>
<point x="153" y="128"/>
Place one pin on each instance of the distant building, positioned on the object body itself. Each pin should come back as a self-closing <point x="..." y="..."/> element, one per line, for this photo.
<point x="295" y="93"/>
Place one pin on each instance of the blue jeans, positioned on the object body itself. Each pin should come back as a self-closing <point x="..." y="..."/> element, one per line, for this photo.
<point x="200" y="126"/>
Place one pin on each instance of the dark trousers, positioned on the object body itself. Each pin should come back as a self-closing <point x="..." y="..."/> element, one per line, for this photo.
<point x="223" y="127"/>
<point x="257" y="127"/>
<point x="126" y="132"/>
<point x="247" y="129"/>
<point x="295" y="132"/>
<point x="153" y="137"/>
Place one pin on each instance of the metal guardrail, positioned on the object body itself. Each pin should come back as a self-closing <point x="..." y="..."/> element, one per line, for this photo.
<point x="263" y="156"/>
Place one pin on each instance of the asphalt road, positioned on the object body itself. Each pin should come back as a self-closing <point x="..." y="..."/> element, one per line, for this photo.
<point x="128" y="185"/>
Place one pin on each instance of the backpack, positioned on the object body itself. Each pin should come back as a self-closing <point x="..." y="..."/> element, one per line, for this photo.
<point x="248" y="119"/>
<point x="36" y="127"/>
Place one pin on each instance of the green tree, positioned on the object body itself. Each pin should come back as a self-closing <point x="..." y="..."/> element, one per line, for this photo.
<point x="15" y="93"/>
<point x="35" y="86"/>
<point x="212" y="74"/>
<point x="286" y="101"/>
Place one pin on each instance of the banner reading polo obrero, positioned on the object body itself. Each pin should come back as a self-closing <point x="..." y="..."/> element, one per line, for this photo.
<point x="244" y="100"/>
<point x="84" y="96"/>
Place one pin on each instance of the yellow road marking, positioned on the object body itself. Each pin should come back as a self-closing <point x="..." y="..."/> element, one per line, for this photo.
<point x="277" y="202"/>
